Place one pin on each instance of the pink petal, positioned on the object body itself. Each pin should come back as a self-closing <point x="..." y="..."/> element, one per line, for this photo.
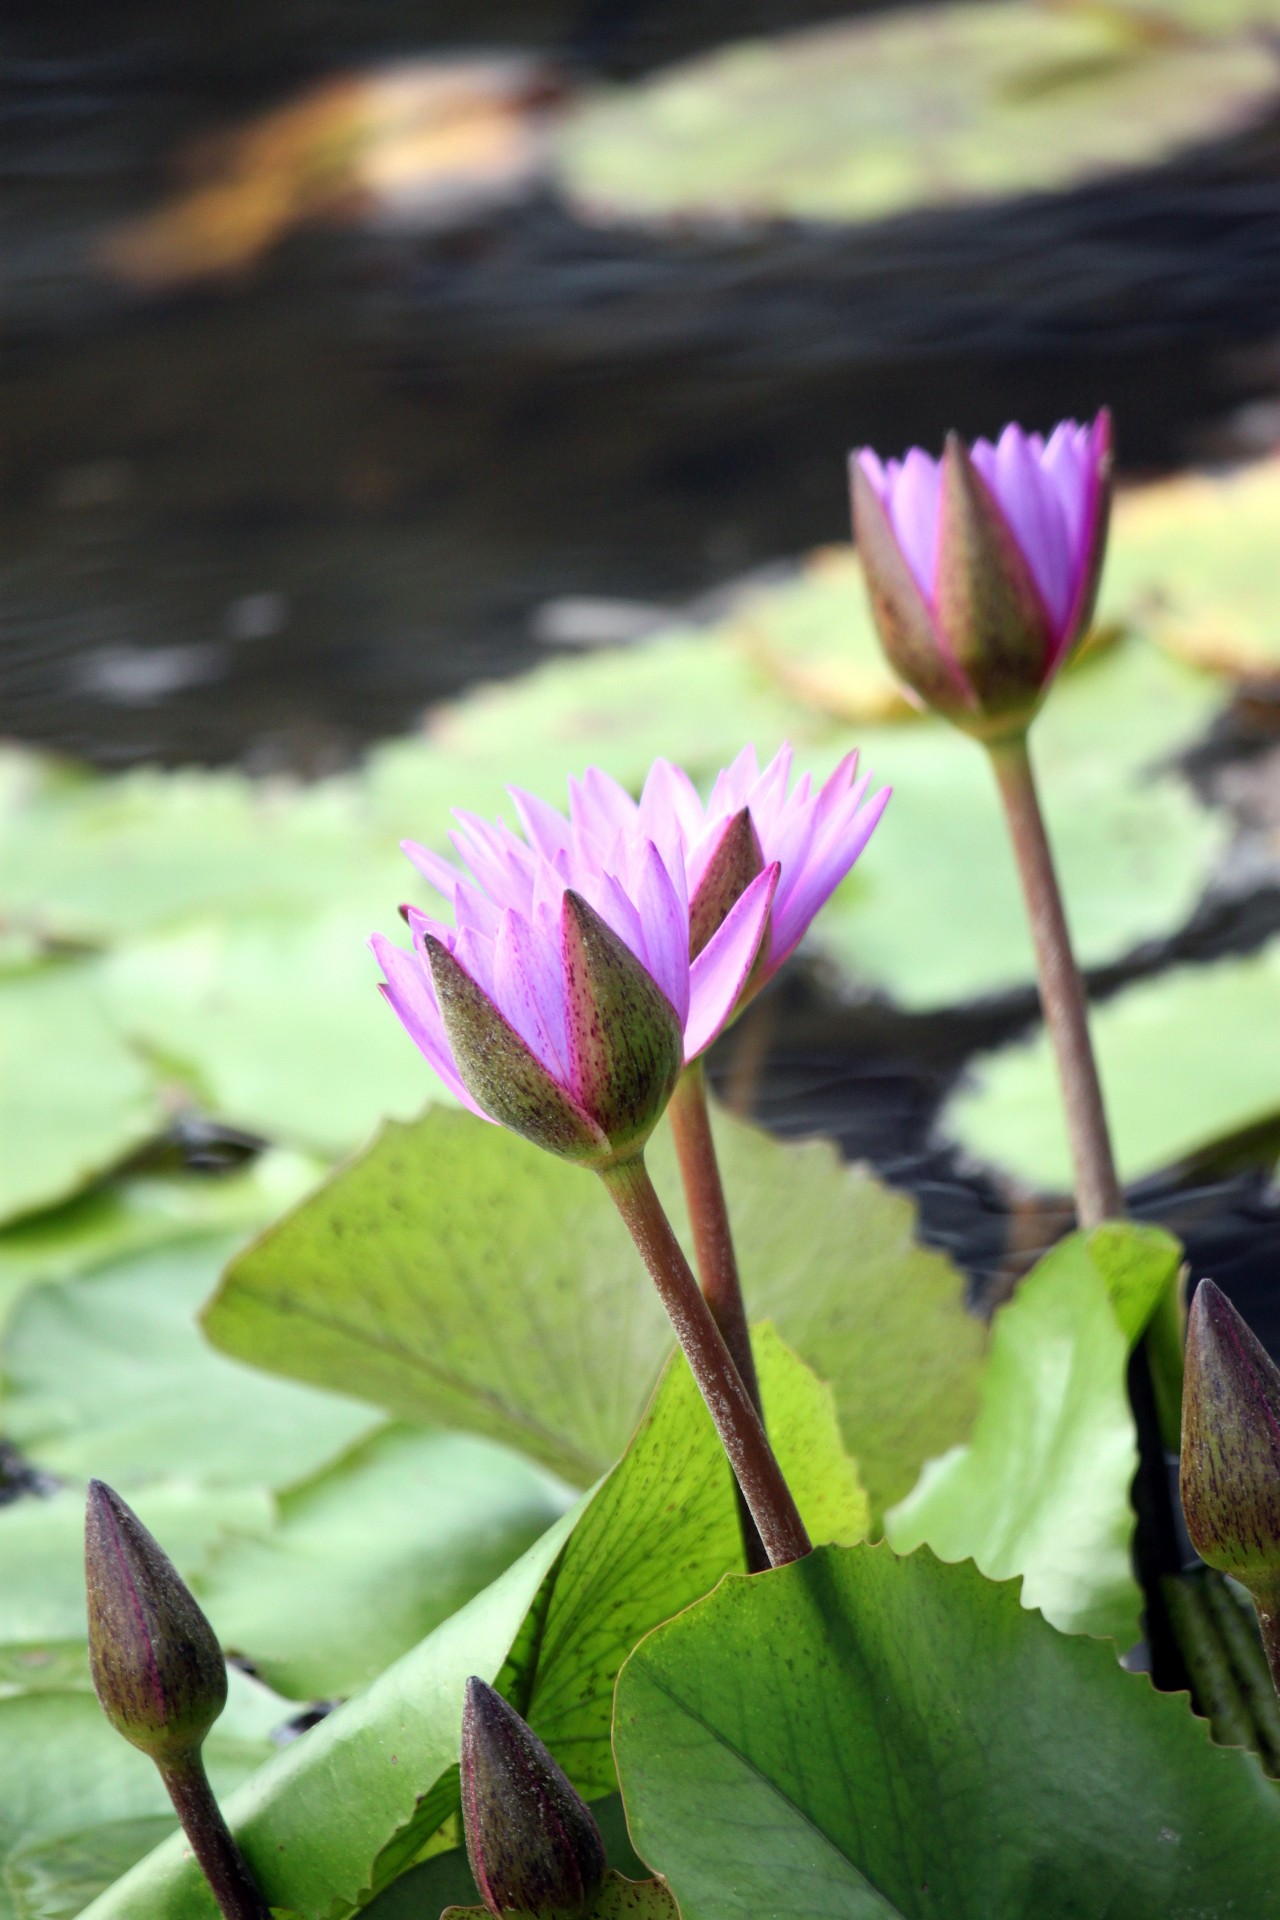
<point x="669" y="793"/>
<point x="664" y="919"/>
<point x="729" y="794"/>
<point x="411" y="997"/>
<point x="545" y="827"/>
<point x="914" y="503"/>
<point x="1030" y="503"/>
<point x="719" y="974"/>
<point x="528" y="990"/>
<point x="842" y="841"/>
<point x="437" y="871"/>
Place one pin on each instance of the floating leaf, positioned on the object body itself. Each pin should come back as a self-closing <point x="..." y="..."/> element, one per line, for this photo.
<point x="276" y="1026"/>
<point x="814" y="638"/>
<point x="128" y="1216"/>
<point x="107" y="1375"/>
<point x="42" y="1550"/>
<point x="78" y="1805"/>
<point x="75" y="1098"/>
<point x="915" y="108"/>
<point x="1042" y="1487"/>
<point x="1193" y="563"/>
<point x="370" y="1555"/>
<point x="351" y="1804"/>
<point x="497" y="1290"/>
<point x="91" y="859"/>
<point x="1188" y="1059"/>
<point x="872" y="1737"/>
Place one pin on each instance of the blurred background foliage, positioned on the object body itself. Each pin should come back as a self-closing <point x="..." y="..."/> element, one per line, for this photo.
<point x="400" y="404"/>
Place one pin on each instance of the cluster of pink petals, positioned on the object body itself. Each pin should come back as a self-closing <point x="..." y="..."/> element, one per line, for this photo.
<point x="508" y="936"/>
<point x="1049" y="492"/>
<point x="638" y="864"/>
<point x="812" y="837"/>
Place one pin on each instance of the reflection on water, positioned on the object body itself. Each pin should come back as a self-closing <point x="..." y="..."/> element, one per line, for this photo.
<point x="280" y="468"/>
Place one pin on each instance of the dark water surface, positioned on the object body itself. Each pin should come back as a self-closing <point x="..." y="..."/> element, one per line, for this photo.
<point x="268" y="521"/>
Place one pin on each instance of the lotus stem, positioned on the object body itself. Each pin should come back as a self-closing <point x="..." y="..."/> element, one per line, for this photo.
<point x="714" y="1253"/>
<point x="768" y="1497"/>
<point x="220" y="1859"/>
<point x="1062" y="997"/>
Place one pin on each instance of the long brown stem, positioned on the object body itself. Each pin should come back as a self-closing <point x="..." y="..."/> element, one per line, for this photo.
<point x="713" y="1251"/>
<point x="221" y="1861"/>
<point x="758" y="1474"/>
<point x="1098" y="1195"/>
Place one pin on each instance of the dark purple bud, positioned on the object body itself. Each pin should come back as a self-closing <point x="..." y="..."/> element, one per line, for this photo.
<point x="157" y="1666"/>
<point x="532" y="1843"/>
<point x="1231" y="1444"/>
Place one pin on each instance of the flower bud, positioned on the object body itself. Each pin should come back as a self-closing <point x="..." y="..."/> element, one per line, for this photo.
<point x="1231" y="1444"/>
<point x="532" y="1843"/>
<point x="983" y="567"/>
<point x="157" y="1667"/>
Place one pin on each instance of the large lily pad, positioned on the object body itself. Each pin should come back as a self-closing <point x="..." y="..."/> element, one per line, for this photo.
<point x="1187" y="1059"/>
<point x="78" y="1806"/>
<point x="869" y="1737"/>
<point x="351" y="1804"/>
<point x="275" y="1025"/>
<point x="107" y="1375"/>
<point x="1042" y="1488"/>
<point x="455" y="1273"/>
<point x="371" y="1554"/>
<point x="1193" y="562"/>
<point x="914" y="108"/>
<point x="75" y="1097"/>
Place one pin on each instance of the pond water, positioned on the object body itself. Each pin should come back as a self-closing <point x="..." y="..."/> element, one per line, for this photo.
<point x="267" y="516"/>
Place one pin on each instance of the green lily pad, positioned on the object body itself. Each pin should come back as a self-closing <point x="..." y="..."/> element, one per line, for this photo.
<point x="370" y="1555"/>
<point x="1192" y="562"/>
<point x="1134" y="848"/>
<point x="107" y="1375"/>
<point x="95" y="859"/>
<point x="75" y="1098"/>
<point x="873" y="1737"/>
<point x="1042" y="1488"/>
<point x="342" y="1811"/>
<point x="275" y="1025"/>
<point x="78" y="1805"/>
<point x="42" y="1551"/>
<point x="498" y="1291"/>
<point x="1188" y="1059"/>
<point x="146" y="1210"/>
<point x="867" y="118"/>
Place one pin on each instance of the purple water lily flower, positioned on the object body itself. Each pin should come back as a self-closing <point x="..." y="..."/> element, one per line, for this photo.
<point x="983" y="566"/>
<point x="749" y="823"/>
<point x="563" y="1000"/>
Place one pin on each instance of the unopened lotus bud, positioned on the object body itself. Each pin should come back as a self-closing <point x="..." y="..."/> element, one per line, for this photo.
<point x="1231" y="1445"/>
<point x="592" y="1091"/>
<point x="533" y="1845"/>
<point x="983" y="566"/>
<point x="156" y="1663"/>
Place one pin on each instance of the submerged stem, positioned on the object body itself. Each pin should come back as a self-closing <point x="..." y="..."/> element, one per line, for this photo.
<point x="714" y="1252"/>
<point x="221" y="1861"/>
<point x="1062" y="997"/>
<point x="758" y="1474"/>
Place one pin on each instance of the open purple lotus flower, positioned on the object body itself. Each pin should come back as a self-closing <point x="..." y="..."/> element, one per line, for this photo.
<point x="749" y="823"/>
<point x="983" y="566"/>
<point x="563" y="1001"/>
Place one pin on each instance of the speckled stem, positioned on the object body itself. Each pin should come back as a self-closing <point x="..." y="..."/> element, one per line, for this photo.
<point x="714" y="1253"/>
<point x="758" y="1474"/>
<point x="220" y="1859"/>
